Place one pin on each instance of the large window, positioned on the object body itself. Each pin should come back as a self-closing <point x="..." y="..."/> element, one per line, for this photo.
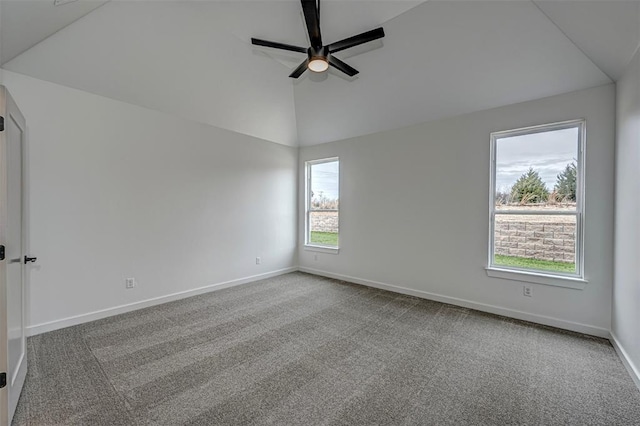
<point x="537" y="200"/>
<point x="322" y="203"/>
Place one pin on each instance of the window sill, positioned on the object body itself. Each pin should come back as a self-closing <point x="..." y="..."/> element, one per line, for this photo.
<point x="322" y="249"/>
<point x="538" y="278"/>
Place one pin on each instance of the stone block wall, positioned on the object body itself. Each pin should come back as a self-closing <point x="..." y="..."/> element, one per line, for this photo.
<point x="324" y="221"/>
<point x="536" y="238"/>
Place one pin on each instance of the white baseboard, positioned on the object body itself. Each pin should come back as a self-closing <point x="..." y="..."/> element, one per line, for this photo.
<point x="633" y="370"/>
<point x="540" y="319"/>
<point x="511" y="313"/>
<point x="103" y="313"/>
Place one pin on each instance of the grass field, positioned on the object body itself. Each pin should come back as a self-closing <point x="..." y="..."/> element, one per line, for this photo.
<point x="523" y="262"/>
<point x="324" y="238"/>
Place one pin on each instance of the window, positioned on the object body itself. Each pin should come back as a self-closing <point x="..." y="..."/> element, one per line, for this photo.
<point x="322" y="203"/>
<point x="537" y="200"/>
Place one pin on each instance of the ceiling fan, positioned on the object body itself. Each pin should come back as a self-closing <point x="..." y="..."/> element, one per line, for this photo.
<point x="320" y="56"/>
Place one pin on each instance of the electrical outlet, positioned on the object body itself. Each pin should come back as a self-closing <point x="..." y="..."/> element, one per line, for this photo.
<point x="527" y="291"/>
<point x="258" y="261"/>
<point x="130" y="282"/>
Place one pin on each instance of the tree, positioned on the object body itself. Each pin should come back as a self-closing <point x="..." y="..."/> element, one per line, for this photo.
<point x="566" y="183"/>
<point x="529" y="188"/>
<point x="503" y="197"/>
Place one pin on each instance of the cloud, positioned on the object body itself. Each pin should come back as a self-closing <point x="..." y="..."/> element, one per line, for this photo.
<point x="548" y="153"/>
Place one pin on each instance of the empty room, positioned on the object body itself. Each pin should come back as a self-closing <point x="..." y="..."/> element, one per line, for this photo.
<point x="304" y="212"/>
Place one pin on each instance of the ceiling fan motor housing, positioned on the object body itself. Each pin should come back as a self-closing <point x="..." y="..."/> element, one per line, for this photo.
<point x="318" y="53"/>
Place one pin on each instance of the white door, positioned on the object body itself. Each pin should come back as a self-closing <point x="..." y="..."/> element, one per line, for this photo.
<point x="13" y="354"/>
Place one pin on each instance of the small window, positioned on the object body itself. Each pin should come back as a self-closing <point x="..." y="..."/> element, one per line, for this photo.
<point x="537" y="200"/>
<point x="322" y="203"/>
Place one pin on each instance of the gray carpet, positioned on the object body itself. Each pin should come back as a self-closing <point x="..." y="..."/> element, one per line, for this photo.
<point x="300" y="349"/>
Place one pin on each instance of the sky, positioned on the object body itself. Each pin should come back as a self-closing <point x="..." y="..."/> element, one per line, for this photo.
<point x="547" y="152"/>
<point x="324" y="177"/>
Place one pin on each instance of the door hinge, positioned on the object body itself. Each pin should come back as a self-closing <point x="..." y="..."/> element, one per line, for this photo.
<point x="3" y="380"/>
<point x="1" y="252"/>
<point x="1" y="123"/>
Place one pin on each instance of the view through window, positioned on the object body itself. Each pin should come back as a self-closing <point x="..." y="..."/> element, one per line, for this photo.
<point x="323" y="199"/>
<point x="537" y="199"/>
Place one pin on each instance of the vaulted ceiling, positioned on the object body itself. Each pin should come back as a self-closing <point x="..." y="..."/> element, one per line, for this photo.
<point x="438" y="59"/>
<point x="25" y="23"/>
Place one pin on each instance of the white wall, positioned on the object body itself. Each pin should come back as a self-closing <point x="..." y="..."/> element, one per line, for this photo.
<point x="121" y="191"/>
<point x="626" y="291"/>
<point x="118" y="190"/>
<point x="414" y="211"/>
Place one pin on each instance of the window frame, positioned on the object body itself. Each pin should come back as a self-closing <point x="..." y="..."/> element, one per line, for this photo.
<point x="307" y="196"/>
<point x="571" y="280"/>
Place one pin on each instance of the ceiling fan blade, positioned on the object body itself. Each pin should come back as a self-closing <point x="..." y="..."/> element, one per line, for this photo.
<point x="311" y="10"/>
<point x="277" y="45"/>
<point x="356" y="40"/>
<point x="301" y="68"/>
<point x="347" y="69"/>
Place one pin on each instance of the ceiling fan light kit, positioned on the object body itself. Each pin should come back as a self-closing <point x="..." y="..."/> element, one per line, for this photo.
<point x="319" y="56"/>
<point x="318" y="65"/>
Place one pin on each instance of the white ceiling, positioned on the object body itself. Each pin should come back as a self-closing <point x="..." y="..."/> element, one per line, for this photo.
<point x="194" y="59"/>
<point x="445" y="59"/>
<point x="439" y="59"/>
<point x="25" y="23"/>
<point x="606" y="31"/>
